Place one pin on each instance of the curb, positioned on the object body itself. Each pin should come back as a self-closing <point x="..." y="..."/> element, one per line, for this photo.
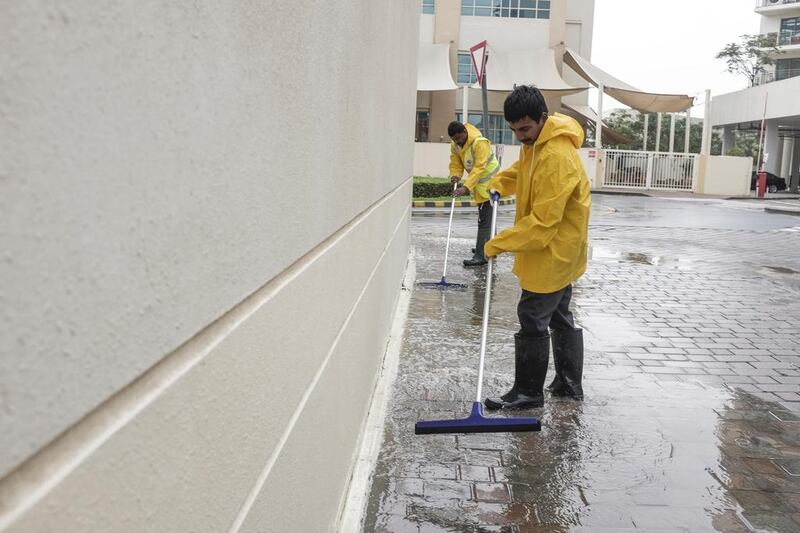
<point x="459" y="203"/>
<point x="779" y="211"/>
<point x="621" y="192"/>
<point x="765" y="199"/>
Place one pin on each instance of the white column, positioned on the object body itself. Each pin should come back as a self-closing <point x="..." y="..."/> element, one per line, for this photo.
<point x="598" y="129"/>
<point x="672" y="132"/>
<point x="658" y="131"/>
<point x="786" y="158"/>
<point x="795" y="180"/>
<point x="705" y="145"/>
<point x="465" y="106"/>
<point x="728" y="139"/>
<point x="644" y="133"/>
<point x="688" y="133"/>
<point x="771" y="141"/>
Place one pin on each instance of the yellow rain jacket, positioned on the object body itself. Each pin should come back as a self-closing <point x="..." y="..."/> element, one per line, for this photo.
<point x="477" y="158"/>
<point x="551" y="229"/>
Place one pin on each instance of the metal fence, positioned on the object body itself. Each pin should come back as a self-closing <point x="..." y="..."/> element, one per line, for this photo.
<point x="650" y="170"/>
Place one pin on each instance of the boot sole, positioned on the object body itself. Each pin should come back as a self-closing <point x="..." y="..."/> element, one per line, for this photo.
<point x="494" y="406"/>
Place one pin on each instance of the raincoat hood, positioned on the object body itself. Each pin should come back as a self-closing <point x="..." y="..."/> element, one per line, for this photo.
<point x="558" y="125"/>
<point x="472" y="134"/>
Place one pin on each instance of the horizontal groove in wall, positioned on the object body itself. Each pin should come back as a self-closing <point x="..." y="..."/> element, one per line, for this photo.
<point x="34" y="479"/>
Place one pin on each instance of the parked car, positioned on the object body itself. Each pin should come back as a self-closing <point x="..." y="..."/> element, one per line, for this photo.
<point x="774" y="183"/>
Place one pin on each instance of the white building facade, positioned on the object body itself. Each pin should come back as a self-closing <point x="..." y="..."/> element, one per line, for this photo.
<point x="774" y="97"/>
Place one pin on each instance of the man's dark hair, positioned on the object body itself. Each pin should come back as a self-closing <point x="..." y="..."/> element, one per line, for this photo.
<point x="455" y="127"/>
<point x="524" y="101"/>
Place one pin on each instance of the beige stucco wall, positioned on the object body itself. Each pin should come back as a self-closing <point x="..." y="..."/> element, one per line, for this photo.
<point x="182" y="310"/>
<point x="726" y="175"/>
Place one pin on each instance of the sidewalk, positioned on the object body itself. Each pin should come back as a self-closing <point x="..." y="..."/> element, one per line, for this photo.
<point x="692" y="416"/>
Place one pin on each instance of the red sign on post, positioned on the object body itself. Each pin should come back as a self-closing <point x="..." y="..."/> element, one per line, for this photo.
<point x="478" y="55"/>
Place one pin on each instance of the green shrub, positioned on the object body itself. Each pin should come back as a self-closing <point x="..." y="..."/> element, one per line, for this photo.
<point x="430" y="190"/>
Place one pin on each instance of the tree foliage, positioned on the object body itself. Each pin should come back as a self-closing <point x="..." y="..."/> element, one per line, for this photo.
<point x="631" y="124"/>
<point x="751" y="55"/>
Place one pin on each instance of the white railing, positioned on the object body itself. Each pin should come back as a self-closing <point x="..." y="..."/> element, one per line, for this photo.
<point x="650" y="170"/>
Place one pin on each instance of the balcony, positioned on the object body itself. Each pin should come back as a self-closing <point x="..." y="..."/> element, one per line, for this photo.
<point x="789" y="37"/>
<point x="777" y="6"/>
<point x="769" y="77"/>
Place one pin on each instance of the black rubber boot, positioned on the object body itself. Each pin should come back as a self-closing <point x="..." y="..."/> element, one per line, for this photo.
<point x="478" y="258"/>
<point x="530" y="368"/>
<point x="568" y="360"/>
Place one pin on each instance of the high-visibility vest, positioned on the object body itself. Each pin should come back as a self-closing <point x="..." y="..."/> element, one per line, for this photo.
<point x="492" y="167"/>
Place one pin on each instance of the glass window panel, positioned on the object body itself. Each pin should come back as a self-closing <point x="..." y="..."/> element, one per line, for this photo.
<point x="527" y="13"/>
<point x="527" y="4"/>
<point x="790" y="24"/>
<point x="543" y="14"/>
<point x="483" y="11"/>
<point x="544" y="4"/>
<point x="484" y="3"/>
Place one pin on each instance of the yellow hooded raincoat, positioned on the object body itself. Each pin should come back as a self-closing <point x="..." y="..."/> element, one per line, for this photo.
<point x="550" y="231"/>
<point x="477" y="158"/>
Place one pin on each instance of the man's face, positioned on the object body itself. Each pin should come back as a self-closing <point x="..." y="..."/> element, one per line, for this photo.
<point x="460" y="138"/>
<point x="527" y="130"/>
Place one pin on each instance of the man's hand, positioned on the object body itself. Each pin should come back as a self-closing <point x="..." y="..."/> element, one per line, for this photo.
<point x="454" y="179"/>
<point x="461" y="191"/>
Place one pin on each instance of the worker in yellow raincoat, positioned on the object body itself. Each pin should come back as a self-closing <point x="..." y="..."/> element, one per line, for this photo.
<point x="472" y="152"/>
<point x="549" y="241"/>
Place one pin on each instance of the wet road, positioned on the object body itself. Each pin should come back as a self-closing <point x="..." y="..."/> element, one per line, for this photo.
<point x="692" y="416"/>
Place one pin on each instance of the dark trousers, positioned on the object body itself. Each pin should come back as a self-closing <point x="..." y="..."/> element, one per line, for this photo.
<point x="538" y="312"/>
<point x="485" y="215"/>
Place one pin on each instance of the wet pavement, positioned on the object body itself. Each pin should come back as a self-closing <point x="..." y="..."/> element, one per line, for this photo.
<point x="692" y="415"/>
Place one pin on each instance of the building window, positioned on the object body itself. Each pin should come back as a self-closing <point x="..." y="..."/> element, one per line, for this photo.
<point x="529" y="9"/>
<point x="498" y="131"/>
<point x="787" y="68"/>
<point x="428" y="6"/>
<point x="421" y="132"/>
<point x="790" y="31"/>
<point x="465" y="74"/>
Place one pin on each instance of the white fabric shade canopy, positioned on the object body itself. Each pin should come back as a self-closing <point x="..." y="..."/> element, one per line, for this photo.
<point x="433" y="68"/>
<point x="505" y="69"/>
<point x="627" y="94"/>
<point x="587" y="115"/>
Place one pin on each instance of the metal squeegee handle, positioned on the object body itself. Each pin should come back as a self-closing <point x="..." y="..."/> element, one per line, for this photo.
<point x="494" y="198"/>
<point x="449" y="227"/>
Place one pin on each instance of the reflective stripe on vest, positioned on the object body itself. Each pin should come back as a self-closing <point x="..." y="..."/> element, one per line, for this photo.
<point x="481" y="192"/>
<point x="492" y="165"/>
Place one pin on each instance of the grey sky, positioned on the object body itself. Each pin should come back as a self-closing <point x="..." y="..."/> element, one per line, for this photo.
<point x="669" y="46"/>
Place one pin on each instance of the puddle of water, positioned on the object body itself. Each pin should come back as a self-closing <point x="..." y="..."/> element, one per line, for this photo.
<point x="600" y="253"/>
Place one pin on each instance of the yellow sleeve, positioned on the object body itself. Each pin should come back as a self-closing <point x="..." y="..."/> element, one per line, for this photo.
<point x="505" y="181"/>
<point x="554" y="182"/>
<point x="481" y="150"/>
<point x="456" y="166"/>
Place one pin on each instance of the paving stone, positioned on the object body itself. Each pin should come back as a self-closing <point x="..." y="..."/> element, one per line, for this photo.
<point x="656" y="446"/>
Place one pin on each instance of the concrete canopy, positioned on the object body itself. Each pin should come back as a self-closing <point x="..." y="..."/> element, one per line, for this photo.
<point x="627" y="94"/>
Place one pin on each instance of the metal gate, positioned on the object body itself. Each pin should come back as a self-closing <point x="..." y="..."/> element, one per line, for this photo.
<point x="650" y="170"/>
